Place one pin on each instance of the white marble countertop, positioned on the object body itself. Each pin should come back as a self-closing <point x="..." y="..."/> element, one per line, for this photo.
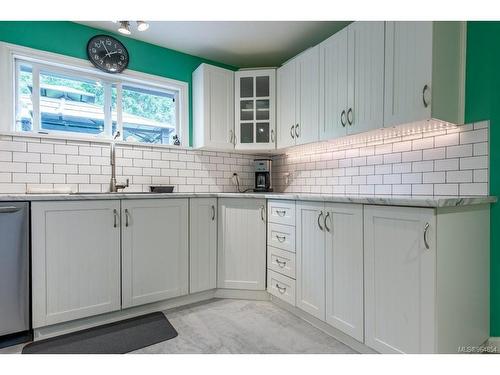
<point x="391" y="200"/>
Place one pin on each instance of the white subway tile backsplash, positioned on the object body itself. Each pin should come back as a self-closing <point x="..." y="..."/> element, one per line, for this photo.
<point x="442" y="162"/>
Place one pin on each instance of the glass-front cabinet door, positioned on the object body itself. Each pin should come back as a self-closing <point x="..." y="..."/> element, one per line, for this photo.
<point x="255" y="123"/>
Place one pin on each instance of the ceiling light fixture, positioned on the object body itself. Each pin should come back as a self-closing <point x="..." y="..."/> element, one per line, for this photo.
<point x="124" y="27"/>
<point x="142" y="26"/>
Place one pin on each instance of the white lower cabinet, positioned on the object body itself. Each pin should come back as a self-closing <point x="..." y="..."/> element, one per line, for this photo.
<point x="400" y="279"/>
<point x="154" y="250"/>
<point x="344" y="267"/>
<point x="202" y="244"/>
<point x="310" y="258"/>
<point x="75" y="260"/>
<point x="242" y="244"/>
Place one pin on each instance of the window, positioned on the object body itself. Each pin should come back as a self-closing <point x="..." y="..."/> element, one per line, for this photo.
<point x="55" y="99"/>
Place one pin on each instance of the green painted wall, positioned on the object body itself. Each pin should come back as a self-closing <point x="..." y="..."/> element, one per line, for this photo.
<point x="70" y="39"/>
<point x="482" y="102"/>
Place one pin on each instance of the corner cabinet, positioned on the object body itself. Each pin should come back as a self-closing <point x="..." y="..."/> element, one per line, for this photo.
<point x="298" y="105"/>
<point x="424" y="72"/>
<point x="213" y="108"/>
<point x="154" y="250"/>
<point x="75" y="260"/>
<point x="255" y="103"/>
<point x="202" y="244"/>
<point x="242" y="244"/>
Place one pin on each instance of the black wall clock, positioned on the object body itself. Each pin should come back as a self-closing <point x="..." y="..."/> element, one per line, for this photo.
<point x="107" y="53"/>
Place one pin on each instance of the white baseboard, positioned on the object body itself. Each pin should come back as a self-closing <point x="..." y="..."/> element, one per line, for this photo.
<point x="328" y="329"/>
<point x="174" y="303"/>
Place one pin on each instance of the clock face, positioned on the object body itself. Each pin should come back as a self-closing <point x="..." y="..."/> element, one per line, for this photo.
<point x="107" y="53"/>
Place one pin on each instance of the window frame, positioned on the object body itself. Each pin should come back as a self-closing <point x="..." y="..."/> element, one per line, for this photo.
<point x="12" y="56"/>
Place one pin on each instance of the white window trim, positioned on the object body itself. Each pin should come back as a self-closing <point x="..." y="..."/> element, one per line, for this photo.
<point x="8" y="86"/>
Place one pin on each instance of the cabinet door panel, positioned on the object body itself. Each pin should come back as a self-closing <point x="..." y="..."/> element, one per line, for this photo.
<point x="242" y="244"/>
<point x="408" y="68"/>
<point x="154" y="250"/>
<point x="221" y="99"/>
<point x="333" y="86"/>
<point x="76" y="260"/>
<point x="310" y="259"/>
<point x="308" y="96"/>
<point x="344" y="268"/>
<point x="366" y="76"/>
<point x="202" y="244"/>
<point x="399" y="279"/>
<point x="286" y="105"/>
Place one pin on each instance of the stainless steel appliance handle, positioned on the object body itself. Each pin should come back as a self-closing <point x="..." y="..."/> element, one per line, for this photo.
<point x="319" y="220"/>
<point x="426" y="229"/>
<point x="326" y="220"/>
<point x="9" y="209"/>
<point x="126" y="217"/>
<point x="213" y="212"/>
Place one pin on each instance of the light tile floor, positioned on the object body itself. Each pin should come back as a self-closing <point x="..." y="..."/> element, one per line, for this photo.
<point x="239" y="326"/>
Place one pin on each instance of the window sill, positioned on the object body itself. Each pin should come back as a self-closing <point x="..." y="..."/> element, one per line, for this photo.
<point x="91" y="140"/>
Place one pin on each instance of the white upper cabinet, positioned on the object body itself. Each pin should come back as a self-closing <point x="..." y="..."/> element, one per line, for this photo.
<point x="76" y="260"/>
<point x="307" y="105"/>
<point x="400" y="279"/>
<point x="242" y="244"/>
<point x="333" y="86"/>
<point x="255" y="102"/>
<point x="286" y="105"/>
<point x="424" y="72"/>
<point x="365" y="110"/>
<point x="213" y="107"/>
<point x="202" y="244"/>
<point x="298" y="106"/>
<point x="154" y="250"/>
<point x="352" y="80"/>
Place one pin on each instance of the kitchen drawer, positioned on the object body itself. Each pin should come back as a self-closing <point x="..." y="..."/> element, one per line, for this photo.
<point x="281" y="287"/>
<point x="281" y="261"/>
<point x="281" y="236"/>
<point x="281" y="212"/>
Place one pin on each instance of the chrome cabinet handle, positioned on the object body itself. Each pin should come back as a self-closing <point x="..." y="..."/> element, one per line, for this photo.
<point x="326" y="218"/>
<point x="281" y="213"/>
<point x="349" y="118"/>
<point x="296" y="132"/>
<point x="213" y="212"/>
<point x="424" y="91"/>
<point x="280" y="289"/>
<point x="281" y="238"/>
<point x="9" y="209"/>
<point x="280" y="263"/>
<point x="115" y="218"/>
<point x="426" y="229"/>
<point x="262" y="208"/>
<point x="231" y="136"/>
<point x="291" y="132"/>
<point x="343" y="118"/>
<point x="319" y="220"/>
<point x="126" y="217"/>
<point x="272" y="135"/>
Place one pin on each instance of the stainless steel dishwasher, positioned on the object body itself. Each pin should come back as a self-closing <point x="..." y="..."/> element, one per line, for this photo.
<point x="14" y="273"/>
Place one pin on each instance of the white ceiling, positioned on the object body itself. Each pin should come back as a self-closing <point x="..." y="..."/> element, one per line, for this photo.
<point x="238" y="43"/>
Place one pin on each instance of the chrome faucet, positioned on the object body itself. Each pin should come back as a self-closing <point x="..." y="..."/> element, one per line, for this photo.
<point x="113" y="186"/>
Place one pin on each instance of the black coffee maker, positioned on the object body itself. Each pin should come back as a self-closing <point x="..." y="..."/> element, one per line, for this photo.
<point x="263" y="175"/>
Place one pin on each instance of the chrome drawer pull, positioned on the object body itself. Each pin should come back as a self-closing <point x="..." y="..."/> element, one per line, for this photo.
<point x="280" y="289"/>
<point x="280" y="263"/>
<point x="281" y="238"/>
<point x="281" y="213"/>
